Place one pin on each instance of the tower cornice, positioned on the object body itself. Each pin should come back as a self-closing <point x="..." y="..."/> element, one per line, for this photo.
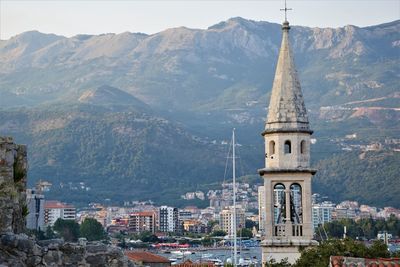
<point x="264" y="171"/>
<point x="294" y="130"/>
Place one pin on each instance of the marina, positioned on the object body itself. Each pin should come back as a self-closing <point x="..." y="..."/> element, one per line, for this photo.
<point x="218" y="256"/>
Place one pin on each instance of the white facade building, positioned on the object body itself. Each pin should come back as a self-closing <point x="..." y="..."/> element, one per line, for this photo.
<point x="35" y="204"/>
<point x="322" y="213"/>
<point x="168" y="219"/>
<point x="54" y="210"/>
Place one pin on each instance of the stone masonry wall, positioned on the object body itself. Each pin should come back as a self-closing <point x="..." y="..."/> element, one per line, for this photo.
<point x="13" y="175"/>
<point x="18" y="250"/>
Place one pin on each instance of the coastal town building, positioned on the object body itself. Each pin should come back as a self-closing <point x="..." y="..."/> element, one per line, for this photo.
<point x="227" y="218"/>
<point x="168" y="219"/>
<point x="35" y="205"/>
<point x="54" y="210"/>
<point x="142" y="221"/>
<point x="322" y="213"/>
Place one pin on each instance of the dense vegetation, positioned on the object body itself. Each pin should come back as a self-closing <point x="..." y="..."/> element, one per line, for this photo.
<point x="92" y="230"/>
<point x="361" y="229"/>
<point x="138" y="156"/>
<point x="354" y="176"/>
<point x="319" y="256"/>
<point x="70" y="230"/>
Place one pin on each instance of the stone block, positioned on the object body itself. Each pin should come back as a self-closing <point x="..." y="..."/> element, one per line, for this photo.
<point x="96" y="260"/>
<point x="51" y="243"/>
<point x="25" y="245"/>
<point x="33" y="261"/>
<point x="52" y="258"/>
<point x="9" y="240"/>
<point x="96" y="248"/>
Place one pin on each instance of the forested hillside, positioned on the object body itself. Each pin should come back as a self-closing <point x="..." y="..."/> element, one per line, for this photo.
<point x="136" y="116"/>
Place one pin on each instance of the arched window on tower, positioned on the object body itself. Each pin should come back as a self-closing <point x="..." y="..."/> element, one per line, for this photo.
<point x="296" y="206"/>
<point x="279" y="204"/>
<point x="303" y="147"/>
<point x="271" y="147"/>
<point x="288" y="147"/>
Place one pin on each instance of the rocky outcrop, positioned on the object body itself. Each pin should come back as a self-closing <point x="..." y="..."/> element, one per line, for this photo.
<point x="20" y="250"/>
<point x="13" y="174"/>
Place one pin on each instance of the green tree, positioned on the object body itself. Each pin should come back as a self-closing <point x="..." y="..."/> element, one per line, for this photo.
<point x="49" y="233"/>
<point x="207" y="241"/>
<point x="147" y="236"/>
<point x="245" y="233"/>
<point x="92" y="230"/>
<point x="364" y="228"/>
<point x="318" y="256"/>
<point x="67" y="229"/>
<point x="250" y="224"/>
<point x="218" y="233"/>
<point x="273" y="263"/>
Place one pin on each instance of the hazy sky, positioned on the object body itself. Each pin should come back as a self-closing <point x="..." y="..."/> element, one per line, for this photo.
<point x="149" y="16"/>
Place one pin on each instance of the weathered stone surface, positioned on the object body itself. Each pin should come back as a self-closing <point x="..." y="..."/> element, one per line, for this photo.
<point x="25" y="245"/>
<point x="52" y="257"/>
<point x="20" y="250"/>
<point x="96" y="248"/>
<point x="51" y="243"/>
<point x="34" y="261"/>
<point x="9" y="240"/>
<point x="13" y="170"/>
<point x="96" y="260"/>
<point x="286" y="108"/>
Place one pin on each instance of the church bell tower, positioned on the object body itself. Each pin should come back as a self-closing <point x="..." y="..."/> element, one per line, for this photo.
<point x="287" y="173"/>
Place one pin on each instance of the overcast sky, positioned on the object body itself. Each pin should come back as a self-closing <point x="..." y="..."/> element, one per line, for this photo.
<point x="73" y="17"/>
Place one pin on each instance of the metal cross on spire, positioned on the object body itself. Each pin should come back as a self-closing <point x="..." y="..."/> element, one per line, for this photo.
<point x="286" y="10"/>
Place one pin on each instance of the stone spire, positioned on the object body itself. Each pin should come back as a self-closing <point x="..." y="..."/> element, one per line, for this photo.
<point x="287" y="111"/>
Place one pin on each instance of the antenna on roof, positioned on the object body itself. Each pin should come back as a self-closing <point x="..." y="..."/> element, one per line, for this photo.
<point x="286" y="10"/>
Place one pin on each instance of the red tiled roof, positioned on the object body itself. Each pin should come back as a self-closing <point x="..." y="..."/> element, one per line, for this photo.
<point x="341" y="261"/>
<point x="145" y="257"/>
<point x="54" y="204"/>
<point x="143" y="213"/>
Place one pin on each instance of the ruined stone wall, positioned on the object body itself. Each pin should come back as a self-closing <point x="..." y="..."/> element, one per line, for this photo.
<point x="13" y="176"/>
<point x="18" y="250"/>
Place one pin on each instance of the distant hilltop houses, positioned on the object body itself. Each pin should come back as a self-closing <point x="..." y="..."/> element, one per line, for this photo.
<point x="351" y="142"/>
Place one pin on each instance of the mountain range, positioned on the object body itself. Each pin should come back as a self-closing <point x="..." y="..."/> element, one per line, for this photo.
<point x="115" y="108"/>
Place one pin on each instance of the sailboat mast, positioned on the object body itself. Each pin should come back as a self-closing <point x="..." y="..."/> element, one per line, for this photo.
<point x="234" y="199"/>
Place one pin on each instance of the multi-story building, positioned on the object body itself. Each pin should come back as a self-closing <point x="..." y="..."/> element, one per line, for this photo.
<point x="199" y="229"/>
<point x="54" y="210"/>
<point x="227" y="219"/>
<point x="35" y="204"/>
<point x="261" y="208"/>
<point x="340" y="213"/>
<point x="142" y="221"/>
<point x="168" y="219"/>
<point x="195" y="226"/>
<point x="185" y="215"/>
<point x="322" y="213"/>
